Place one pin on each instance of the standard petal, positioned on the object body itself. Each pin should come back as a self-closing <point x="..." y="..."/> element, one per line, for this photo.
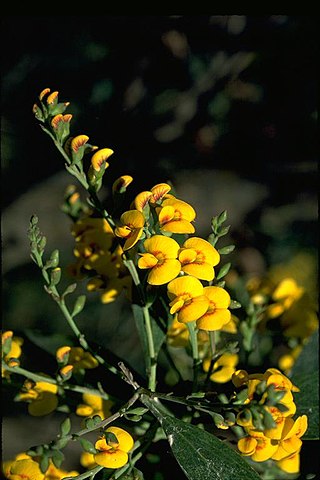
<point x="185" y="284"/>
<point x="165" y="272"/>
<point x="214" y="320"/>
<point x="193" y="310"/>
<point x="203" y="272"/>
<point x="218" y="296"/>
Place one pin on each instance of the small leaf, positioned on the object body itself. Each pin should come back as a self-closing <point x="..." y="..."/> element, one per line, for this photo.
<point x="87" y="446"/>
<point x="79" y="304"/>
<point x="223" y="271"/>
<point x="61" y="443"/>
<point x="234" y="305"/>
<point x="65" y="427"/>
<point x="226" y="250"/>
<point x="70" y="289"/>
<point x="44" y="463"/>
<point x="57" y="458"/>
<point x="222" y="217"/>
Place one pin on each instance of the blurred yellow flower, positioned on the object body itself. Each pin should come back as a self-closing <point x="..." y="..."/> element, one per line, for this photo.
<point x="77" y="357"/>
<point x="223" y="368"/>
<point x="94" y="405"/>
<point x="11" y="351"/>
<point x="41" y="397"/>
<point x="24" y="469"/>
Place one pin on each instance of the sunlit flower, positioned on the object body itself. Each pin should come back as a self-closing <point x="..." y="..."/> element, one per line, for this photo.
<point x="187" y="298"/>
<point x="217" y="313"/>
<point x="132" y="228"/>
<point x="121" y="184"/>
<point x="223" y="368"/>
<point x="161" y="259"/>
<point x="41" y="397"/>
<point x="175" y="216"/>
<point x="100" y="157"/>
<point x="198" y="257"/>
<point x="94" y="405"/>
<point x="113" y="449"/>
<point x="257" y="446"/>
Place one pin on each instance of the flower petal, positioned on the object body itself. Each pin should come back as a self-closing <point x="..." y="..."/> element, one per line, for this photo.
<point x="165" y="272"/>
<point x="193" y="310"/>
<point x="111" y="459"/>
<point x="218" y="296"/>
<point x="214" y="320"/>
<point x="202" y="271"/>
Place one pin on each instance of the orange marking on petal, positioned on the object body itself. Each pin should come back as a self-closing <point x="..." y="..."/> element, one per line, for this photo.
<point x="44" y="92"/>
<point x="52" y="97"/>
<point x="78" y="142"/>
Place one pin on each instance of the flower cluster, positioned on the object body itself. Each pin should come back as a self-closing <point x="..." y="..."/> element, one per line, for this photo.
<point x="278" y="438"/>
<point x="11" y="351"/>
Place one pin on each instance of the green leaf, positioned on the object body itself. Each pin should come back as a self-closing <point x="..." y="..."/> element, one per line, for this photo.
<point x="223" y="271"/>
<point x="65" y="427"/>
<point x="200" y="454"/>
<point x="57" y="458"/>
<point x="87" y="446"/>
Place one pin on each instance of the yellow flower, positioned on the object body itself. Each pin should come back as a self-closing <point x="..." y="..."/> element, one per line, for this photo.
<point x="121" y="183"/>
<point x="54" y="473"/>
<point x="217" y="314"/>
<point x="100" y="157"/>
<point x="13" y="344"/>
<point x="87" y="460"/>
<point x="159" y="192"/>
<point x="287" y="360"/>
<point x="113" y="452"/>
<point x="285" y="294"/>
<point x="257" y="446"/>
<point x="77" y="142"/>
<point x="198" y="257"/>
<point x="77" y="357"/>
<point x="161" y="259"/>
<point x="24" y="469"/>
<point x="187" y="298"/>
<point x="290" y="441"/>
<point x="94" y="405"/>
<point x="42" y="397"/>
<point x="175" y="216"/>
<point x="131" y="229"/>
<point x="223" y="368"/>
<point x="290" y="464"/>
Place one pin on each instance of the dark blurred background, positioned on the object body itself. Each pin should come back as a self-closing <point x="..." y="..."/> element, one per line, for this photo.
<point x="223" y="106"/>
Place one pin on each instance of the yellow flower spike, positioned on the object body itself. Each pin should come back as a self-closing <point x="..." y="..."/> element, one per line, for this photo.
<point x="175" y="216"/>
<point x="25" y="469"/>
<point x="100" y="157"/>
<point x="52" y="98"/>
<point x="187" y="299"/>
<point x="159" y="191"/>
<point x="121" y="183"/>
<point x="114" y="455"/>
<point x="217" y="313"/>
<point x="131" y="229"/>
<point x="78" y="142"/>
<point x="43" y="93"/>
<point x="223" y="368"/>
<point x="142" y="200"/>
<point x="161" y="259"/>
<point x="198" y="257"/>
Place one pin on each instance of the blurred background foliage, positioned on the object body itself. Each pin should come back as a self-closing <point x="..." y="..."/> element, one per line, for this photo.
<point x="223" y="106"/>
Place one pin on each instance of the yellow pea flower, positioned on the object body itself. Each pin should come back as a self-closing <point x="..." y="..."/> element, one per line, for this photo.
<point x="223" y="368"/>
<point x="14" y="350"/>
<point x="290" y="442"/>
<point x="161" y="259"/>
<point x="42" y="397"/>
<point x="217" y="314"/>
<point x="113" y="454"/>
<point x="187" y="298"/>
<point x="131" y="229"/>
<point x="290" y="464"/>
<point x="121" y="183"/>
<point x="100" y="157"/>
<point x="257" y="446"/>
<point x="87" y="460"/>
<point x="285" y="294"/>
<point x="77" y="357"/>
<point x="198" y="257"/>
<point x="24" y="469"/>
<point x="94" y="405"/>
<point x="175" y="216"/>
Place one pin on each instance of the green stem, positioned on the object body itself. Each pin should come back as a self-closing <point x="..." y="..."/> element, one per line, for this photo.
<point x="89" y="473"/>
<point x="151" y="351"/>
<point x="195" y="353"/>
